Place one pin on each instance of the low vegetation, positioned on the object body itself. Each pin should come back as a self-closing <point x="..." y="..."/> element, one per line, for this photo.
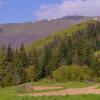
<point x="8" y="93"/>
<point x="67" y="97"/>
<point x="73" y="73"/>
<point x="11" y="93"/>
<point x="27" y="88"/>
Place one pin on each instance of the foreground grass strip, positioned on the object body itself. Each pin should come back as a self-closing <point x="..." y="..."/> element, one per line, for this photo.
<point x="10" y="93"/>
<point x="67" y="97"/>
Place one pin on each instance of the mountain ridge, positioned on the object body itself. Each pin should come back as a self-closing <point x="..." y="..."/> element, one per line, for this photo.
<point x="85" y="25"/>
<point x="28" y="32"/>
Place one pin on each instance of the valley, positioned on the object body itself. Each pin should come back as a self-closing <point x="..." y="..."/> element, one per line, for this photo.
<point x="64" y="63"/>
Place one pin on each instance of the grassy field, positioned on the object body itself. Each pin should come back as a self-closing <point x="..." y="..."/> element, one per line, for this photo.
<point x="45" y="82"/>
<point x="10" y="93"/>
<point x="98" y="87"/>
<point x="67" y="97"/>
<point x="65" y="85"/>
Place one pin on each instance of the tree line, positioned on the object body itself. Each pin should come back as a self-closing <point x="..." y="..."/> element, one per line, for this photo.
<point x="19" y="65"/>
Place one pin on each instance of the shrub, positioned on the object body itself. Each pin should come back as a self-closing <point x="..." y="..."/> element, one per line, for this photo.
<point x="25" y="88"/>
<point x="31" y="73"/>
<point x="73" y="73"/>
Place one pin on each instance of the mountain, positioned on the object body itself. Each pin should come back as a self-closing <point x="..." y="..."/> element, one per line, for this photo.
<point x="87" y="29"/>
<point x="17" y="33"/>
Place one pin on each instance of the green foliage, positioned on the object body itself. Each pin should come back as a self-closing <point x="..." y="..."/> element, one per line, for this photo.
<point x="23" y="56"/>
<point x="85" y="27"/>
<point x="9" y="54"/>
<point x="96" y="63"/>
<point x="78" y="45"/>
<point x="31" y="73"/>
<point x="73" y="73"/>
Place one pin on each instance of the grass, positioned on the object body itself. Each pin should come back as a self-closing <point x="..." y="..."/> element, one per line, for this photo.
<point x="26" y="88"/>
<point x="65" y="85"/>
<point x="10" y="93"/>
<point x="67" y="97"/>
<point x="71" y="84"/>
<point x="98" y="87"/>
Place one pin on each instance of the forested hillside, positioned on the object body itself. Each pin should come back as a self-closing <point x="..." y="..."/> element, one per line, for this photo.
<point x="28" y="32"/>
<point x="65" y="52"/>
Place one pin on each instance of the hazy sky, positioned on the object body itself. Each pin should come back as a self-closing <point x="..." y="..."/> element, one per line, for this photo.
<point x="28" y="10"/>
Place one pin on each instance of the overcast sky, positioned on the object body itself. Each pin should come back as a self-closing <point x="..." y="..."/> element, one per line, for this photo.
<point x="28" y="10"/>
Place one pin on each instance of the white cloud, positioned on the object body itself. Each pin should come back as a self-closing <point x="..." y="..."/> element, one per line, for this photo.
<point x="69" y="7"/>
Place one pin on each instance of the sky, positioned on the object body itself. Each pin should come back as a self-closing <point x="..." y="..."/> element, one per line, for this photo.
<point x="12" y="11"/>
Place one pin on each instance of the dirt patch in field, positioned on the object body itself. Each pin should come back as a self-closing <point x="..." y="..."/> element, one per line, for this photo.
<point x="36" y="88"/>
<point x="88" y="90"/>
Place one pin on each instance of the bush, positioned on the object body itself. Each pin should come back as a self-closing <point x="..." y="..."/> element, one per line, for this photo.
<point x="25" y="88"/>
<point x="73" y="73"/>
<point x="31" y="73"/>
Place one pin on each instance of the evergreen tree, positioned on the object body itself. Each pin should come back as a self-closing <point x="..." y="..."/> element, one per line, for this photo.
<point x="23" y="56"/>
<point x="45" y="59"/>
<point x="34" y="60"/>
<point x="9" y="54"/>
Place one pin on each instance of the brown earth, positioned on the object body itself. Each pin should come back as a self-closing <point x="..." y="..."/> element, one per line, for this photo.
<point x="36" y="88"/>
<point x="76" y="91"/>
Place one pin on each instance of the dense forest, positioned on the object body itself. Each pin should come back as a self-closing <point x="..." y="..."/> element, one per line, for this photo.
<point x="70" y="54"/>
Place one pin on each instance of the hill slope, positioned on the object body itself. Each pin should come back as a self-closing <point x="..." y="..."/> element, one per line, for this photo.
<point x="16" y="34"/>
<point x="88" y="28"/>
<point x="77" y="46"/>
